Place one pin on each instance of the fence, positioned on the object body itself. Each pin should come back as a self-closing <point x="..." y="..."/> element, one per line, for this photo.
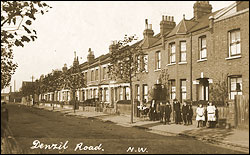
<point x="242" y="111"/>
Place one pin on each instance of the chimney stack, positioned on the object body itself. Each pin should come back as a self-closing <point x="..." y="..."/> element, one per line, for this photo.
<point x="201" y="8"/>
<point x="113" y="46"/>
<point x="167" y="24"/>
<point x="148" y="32"/>
<point x="64" y="69"/>
<point x="90" y="56"/>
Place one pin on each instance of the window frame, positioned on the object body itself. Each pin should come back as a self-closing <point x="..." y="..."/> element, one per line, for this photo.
<point x="202" y="48"/>
<point x="181" y="52"/>
<point x="92" y="75"/>
<point x="145" y="64"/>
<point x="181" y="91"/>
<point x="96" y="74"/>
<point x="230" y="86"/>
<point x="137" y="92"/>
<point x="158" y="60"/>
<point x="171" y="53"/>
<point x="236" y="42"/>
<point x="171" y="85"/>
<point x="145" y="95"/>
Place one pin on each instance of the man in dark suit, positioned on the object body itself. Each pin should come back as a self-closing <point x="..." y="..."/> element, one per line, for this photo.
<point x="168" y="111"/>
<point x="185" y="112"/>
<point x="177" y="110"/>
<point x="190" y="114"/>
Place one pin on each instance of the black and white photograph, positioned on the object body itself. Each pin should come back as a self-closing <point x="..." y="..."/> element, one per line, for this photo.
<point x="124" y="77"/>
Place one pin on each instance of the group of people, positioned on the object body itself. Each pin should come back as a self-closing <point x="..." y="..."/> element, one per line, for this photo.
<point x="162" y="111"/>
<point x="206" y="115"/>
<point x="183" y="113"/>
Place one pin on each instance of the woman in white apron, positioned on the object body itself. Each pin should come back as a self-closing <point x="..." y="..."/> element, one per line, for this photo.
<point x="211" y="118"/>
<point x="200" y="117"/>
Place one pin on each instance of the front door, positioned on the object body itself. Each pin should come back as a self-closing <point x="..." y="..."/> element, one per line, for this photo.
<point x="203" y="89"/>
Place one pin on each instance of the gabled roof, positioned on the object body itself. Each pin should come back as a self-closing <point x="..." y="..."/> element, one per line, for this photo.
<point x="148" y="42"/>
<point x="183" y="27"/>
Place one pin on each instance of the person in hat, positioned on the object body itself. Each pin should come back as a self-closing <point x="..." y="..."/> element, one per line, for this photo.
<point x="200" y="117"/>
<point x="185" y="112"/>
<point x="177" y="110"/>
<point x="190" y="114"/>
<point x="168" y="111"/>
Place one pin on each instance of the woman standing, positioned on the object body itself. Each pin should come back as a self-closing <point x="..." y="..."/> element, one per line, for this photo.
<point x="200" y="117"/>
<point x="211" y="118"/>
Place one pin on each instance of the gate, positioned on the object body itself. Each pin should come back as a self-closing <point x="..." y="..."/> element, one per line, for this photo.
<point x="242" y="111"/>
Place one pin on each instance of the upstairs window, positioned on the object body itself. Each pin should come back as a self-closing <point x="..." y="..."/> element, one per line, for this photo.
<point x="96" y="74"/>
<point x="104" y="73"/>
<point x="92" y="75"/>
<point x="145" y="62"/>
<point x="172" y="53"/>
<point x="202" y="48"/>
<point x="183" y="51"/>
<point x="234" y="43"/>
<point x="158" y="60"/>
<point x="138" y="63"/>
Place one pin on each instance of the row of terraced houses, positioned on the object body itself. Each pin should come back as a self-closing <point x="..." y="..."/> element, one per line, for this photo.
<point x="197" y="52"/>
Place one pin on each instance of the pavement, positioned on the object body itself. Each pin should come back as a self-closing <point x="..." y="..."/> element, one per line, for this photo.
<point x="229" y="138"/>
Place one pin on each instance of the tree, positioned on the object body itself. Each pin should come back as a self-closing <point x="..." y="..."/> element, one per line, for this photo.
<point x="16" y="21"/>
<point x="163" y="79"/>
<point x="73" y="79"/>
<point x="218" y="91"/>
<point x="125" y="63"/>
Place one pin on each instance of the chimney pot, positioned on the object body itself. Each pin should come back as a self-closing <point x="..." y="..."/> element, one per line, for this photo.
<point x="172" y="18"/>
<point x="150" y="26"/>
<point x="162" y="17"/>
<point x="166" y="18"/>
<point x="146" y="23"/>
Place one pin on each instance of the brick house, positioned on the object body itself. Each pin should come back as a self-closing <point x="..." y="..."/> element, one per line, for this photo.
<point x="197" y="53"/>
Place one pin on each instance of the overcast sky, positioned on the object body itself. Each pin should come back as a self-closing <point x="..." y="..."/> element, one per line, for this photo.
<point x="78" y="26"/>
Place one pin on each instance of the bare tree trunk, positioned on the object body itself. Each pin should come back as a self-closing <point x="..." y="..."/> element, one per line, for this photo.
<point x="132" y="101"/>
<point x="74" y="101"/>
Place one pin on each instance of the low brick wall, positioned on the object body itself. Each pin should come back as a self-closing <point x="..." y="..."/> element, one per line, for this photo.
<point x="123" y="109"/>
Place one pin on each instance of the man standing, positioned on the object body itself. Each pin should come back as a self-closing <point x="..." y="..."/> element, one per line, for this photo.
<point x="162" y="109"/>
<point x="177" y="110"/>
<point x="168" y="111"/>
<point x="190" y="114"/>
<point x="185" y="112"/>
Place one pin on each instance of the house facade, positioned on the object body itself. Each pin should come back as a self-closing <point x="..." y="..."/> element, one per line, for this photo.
<point x="196" y="54"/>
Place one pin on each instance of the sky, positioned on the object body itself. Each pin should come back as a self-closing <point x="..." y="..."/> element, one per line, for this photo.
<point x="79" y="25"/>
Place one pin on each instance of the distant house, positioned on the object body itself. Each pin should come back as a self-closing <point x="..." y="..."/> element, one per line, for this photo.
<point x="5" y="97"/>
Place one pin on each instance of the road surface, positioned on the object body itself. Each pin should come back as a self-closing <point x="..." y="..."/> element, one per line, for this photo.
<point x="41" y="131"/>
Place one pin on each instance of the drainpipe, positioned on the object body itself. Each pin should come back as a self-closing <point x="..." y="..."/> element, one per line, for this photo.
<point x="191" y="94"/>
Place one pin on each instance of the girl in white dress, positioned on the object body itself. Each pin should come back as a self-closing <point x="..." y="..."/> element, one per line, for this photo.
<point x="200" y="117"/>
